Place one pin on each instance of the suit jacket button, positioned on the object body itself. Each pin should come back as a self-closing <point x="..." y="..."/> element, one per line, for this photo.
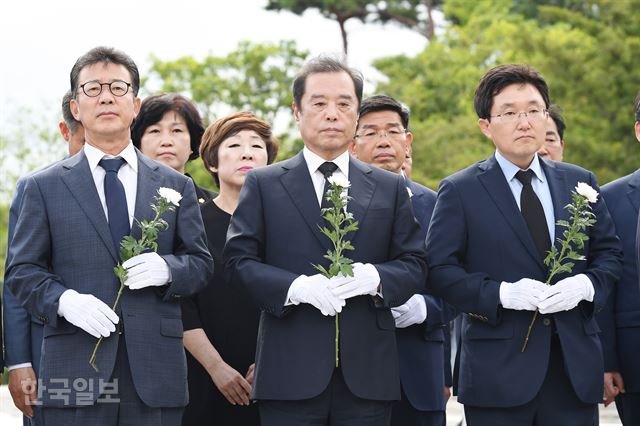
<point x="546" y="322"/>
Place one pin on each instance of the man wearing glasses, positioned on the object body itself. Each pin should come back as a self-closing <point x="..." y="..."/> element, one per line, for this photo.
<point x="492" y="226"/>
<point x="73" y="217"/>
<point x="383" y="139"/>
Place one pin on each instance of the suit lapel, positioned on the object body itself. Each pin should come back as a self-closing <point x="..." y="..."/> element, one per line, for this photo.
<point x="417" y="199"/>
<point x="148" y="184"/>
<point x="495" y="183"/>
<point x="297" y="182"/>
<point x="361" y="191"/>
<point x="78" y="179"/>
<point x="633" y="192"/>
<point x="560" y="195"/>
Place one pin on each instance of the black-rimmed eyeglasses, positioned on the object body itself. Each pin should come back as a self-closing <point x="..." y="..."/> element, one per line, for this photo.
<point x="116" y="87"/>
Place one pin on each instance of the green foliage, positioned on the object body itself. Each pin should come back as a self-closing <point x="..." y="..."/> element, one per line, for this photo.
<point x="574" y="237"/>
<point x="341" y="224"/>
<point x="416" y="15"/>
<point x="587" y="52"/>
<point x="255" y="77"/>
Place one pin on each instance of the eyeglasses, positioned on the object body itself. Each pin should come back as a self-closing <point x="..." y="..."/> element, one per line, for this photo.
<point x="369" y="135"/>
<point x="533" y="116"/>
<point x="116" y="87"/>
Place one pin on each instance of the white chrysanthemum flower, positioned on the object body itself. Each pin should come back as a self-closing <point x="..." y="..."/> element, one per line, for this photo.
<point x="340" y="181"/>
<point x="171" y="195"/>
<point x="587" y="192"/>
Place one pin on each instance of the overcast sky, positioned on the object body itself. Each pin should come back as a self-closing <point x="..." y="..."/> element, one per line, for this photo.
<point x="40" y="40"/>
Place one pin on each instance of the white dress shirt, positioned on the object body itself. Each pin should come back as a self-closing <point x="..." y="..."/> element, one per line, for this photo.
<point x="540" y="187"/>
<point x="314" y="161"/>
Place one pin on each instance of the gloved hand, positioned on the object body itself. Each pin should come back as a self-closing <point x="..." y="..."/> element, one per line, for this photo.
<point x="314" y="290"/>
<point x="523" y="295"/>
<point x="413" y="311"/>
<point x="566" y="294"/>
<point x="366" y="281"/>
<point x="146" y="270"/>
<point x="88" y="313"/>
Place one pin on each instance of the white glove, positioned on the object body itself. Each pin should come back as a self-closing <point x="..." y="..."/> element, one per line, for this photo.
<point x="314" y="290"/>
<point x="413" y="311"/>
<point x="366" y="281"/>
<point x="88" y="313"/>
<point x="566" y="294"/>
<point x="146" y="270"/>
<point x="523" y="295"/>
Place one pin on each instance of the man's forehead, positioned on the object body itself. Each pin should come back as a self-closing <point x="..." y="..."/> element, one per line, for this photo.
<point x="330" y="84"/>
<point x="105" y="69"/>
<point x="517" y="94"/>
<point x="382" y="118"/>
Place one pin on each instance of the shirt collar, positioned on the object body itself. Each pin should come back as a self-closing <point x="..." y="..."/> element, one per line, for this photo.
<point x="94" y="155"/>
<point x="509" y="169"/>
<point x="314" y="161"/>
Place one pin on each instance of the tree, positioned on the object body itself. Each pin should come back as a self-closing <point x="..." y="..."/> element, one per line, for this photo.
<point x="416" y="15"/>
<point x="29" y="144"/>
<point x="254" y="77"/>
<point x="588" y="56"/>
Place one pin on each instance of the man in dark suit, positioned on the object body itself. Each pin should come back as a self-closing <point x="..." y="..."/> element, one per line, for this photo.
<point x="273" y="240"/>
<point x="383" y="140"/>
<point x="65" y="245"/>
<point x="491" y="228"/>
<point x="620" y="320"/>
<point x="24" y="331"/>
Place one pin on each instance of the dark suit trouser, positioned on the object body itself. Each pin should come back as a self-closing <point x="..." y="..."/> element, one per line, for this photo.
<point x="556" y="404"/>
<point x="129" y="411"/>
<point x="335" y="406"/>
<point x="403" y="414"/>
<point x="628" y="406"/>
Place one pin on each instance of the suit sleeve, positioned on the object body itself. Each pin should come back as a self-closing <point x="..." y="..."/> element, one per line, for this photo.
<point x="244" y="253"/>
<point x="606" y="317"/>
<point x="604" y="259"/>
<point x="405" y="273"/>
<point x="28" y="259"/>
<point x="439" y="312"/>
<point x="191" y="264"/>
<point x="446" y="249"/>
<point x="16" y="319"/>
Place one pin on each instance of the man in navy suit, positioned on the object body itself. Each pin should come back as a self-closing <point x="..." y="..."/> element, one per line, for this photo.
<point x="383" y="139"/>
<point x="65" y="245"/>
<point x="491" y="228"/>
<point x="620" y="320"/>
<point x="24" y="331"/>
<point x="273" y="241"/>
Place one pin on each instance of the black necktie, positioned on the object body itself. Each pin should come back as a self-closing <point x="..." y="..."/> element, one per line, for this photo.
<point x="533" y="213"/>
<point x="114" y="194"/>
<point x="327" y="168"/>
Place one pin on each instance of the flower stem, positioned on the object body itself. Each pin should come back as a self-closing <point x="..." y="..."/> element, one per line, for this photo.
<point x="557" y="263"/>
<point x="92" y="360"/>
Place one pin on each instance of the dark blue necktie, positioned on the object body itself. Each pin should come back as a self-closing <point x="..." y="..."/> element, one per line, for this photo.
<point x="114" y="194"/>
